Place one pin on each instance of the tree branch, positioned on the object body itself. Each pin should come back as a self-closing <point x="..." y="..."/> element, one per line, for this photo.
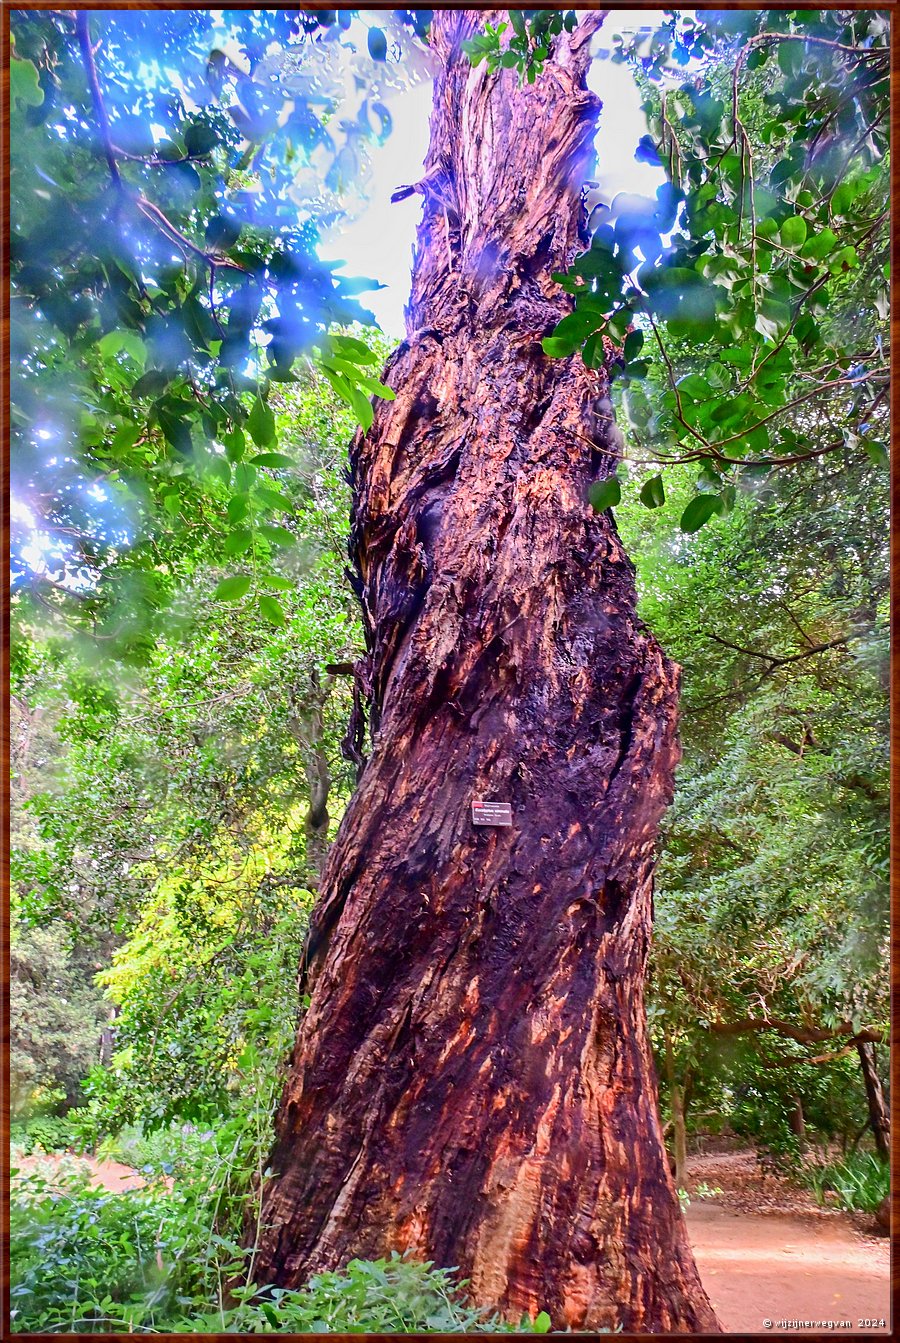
<point x="804" y="1035"/>
<point x="87" y="55"/>
<point x="774" y="659"/>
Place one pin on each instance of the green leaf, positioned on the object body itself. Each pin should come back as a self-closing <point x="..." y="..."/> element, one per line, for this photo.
<point x="177" y="431"/>
<point x="699" y="511"/>
<point x="653" y="494"/>
<point x="114" y="342"/>
<point x="273" y="459"/>
<point x="348" y="347"/>
<point x="233" y="589"/>
<point x="279" y="536"/>
<point x="361" y="406"/>
<point x="270" y="609"/>
<point x="604" y="494"/>
<point x="793" y="231"/>
<point x="125" y="438"/>
<point x="273" y="499"/>
<point x="637" y="407"/>
<point x="233" y="442"/>
<point x="634" y="343"/>
<point x="222" y="232"/>
<point x="843" y="198"/>
<point x="200" y="138"/>
<point x="377" y="43"/>
<point x="219" y="468"/>
<point x="261" y="423"/>
<point x="237" y="508"/>
<point x="578" y="325"/>
<point x="819" y="245"/>
<point x="694" y="386"/>
<point x="244" y="477"/>
<point x="593" y="354"/>
<point x="790" y="57"/>
<point x="355" y="377"/>
<point x="238" y="541"/>
<point x="152" y="383"/>
<point x="24" y="86"/>
<point x="542" y="1320"/>
<point x="877" y="451"/>
<point x="559" y="349"/>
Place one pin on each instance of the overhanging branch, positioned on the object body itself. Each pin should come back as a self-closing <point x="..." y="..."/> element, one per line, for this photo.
<point x="804" y="1035"/>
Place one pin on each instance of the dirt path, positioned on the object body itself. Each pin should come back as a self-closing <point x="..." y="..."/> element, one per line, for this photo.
<point x="111" y="1175"/>
<point x="766" y="1253"/>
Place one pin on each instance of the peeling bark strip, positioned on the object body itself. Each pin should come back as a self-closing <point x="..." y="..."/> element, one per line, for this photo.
<point x="472" y="1081"/>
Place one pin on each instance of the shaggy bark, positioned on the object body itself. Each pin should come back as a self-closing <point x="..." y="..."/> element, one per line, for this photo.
<point x="472" y="1081"/>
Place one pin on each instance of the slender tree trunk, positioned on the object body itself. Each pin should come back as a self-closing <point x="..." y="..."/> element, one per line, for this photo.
<point x="308" y="729"/>
<point x="680" y="1136"/>
<point x="472" y="1081"/>
<point x="678" y="1105"/>
<point x="878" y="1115"/>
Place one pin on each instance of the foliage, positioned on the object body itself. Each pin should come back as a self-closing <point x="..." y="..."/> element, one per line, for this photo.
<point x="774" y="876"/>
<point x="55" y="1021"/>
<point x="43" y="1133"/>
<point x="529" y="45"/>
<point x="771" y="899"/>
<point x="766" y="1079"/>
<point x="395" y="1295"/>
<point x="742" y="284"/>
<point x="860" y="1181"/>
<point x="83" y="1260"/>
<point x="181" y="837"/>
<point x="87" y="1261"/>
<point x="165" y="284"/>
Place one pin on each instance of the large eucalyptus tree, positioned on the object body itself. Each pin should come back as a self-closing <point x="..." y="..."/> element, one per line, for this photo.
<point x="472" y="1081"/>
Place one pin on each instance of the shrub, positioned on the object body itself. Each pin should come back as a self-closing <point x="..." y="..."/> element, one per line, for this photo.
<point x="396" y="1295"/>
<point x="50" y="1133"/>
<point x="83" y="1260"/>
<point x="141" y="1261"/>
<point x="860" y="1181"/>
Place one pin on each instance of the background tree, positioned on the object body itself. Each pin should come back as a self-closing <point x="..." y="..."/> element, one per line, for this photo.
<point x="772" y="900"/>
<point x="176" y="840"/>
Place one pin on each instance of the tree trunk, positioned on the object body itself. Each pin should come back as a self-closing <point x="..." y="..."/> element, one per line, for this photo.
<point x="680" y="1136"/>
<point x="472" y="1081"/>
<point x="678" y="1105"/>
<point x="308" y="730"/>
<point x="878" y="1116"/>
<point x="797" y="1121"/>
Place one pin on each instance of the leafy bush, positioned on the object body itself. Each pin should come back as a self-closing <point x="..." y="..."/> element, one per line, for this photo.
<point x="164" y="1151"/>
<point x="395" y="1295"/>
<point x="860" y="1181"/>
<point x="87" y="1261"/>
<point x="83" y="1260"/>
<point x="50" y="1133"/>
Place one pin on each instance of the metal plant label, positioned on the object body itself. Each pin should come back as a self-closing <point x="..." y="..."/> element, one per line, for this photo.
<point x="491" y="813"/>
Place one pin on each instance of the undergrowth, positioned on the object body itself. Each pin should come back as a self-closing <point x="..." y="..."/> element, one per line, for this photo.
<point x="859" y="1181"/>
<point x="158" y="1259"/>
